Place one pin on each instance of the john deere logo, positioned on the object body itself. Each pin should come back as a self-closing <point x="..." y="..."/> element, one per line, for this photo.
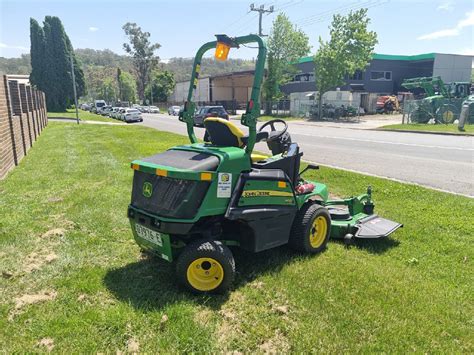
<point x="147" y="189"/>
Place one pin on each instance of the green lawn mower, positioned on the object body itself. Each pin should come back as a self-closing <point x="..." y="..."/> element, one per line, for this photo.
<point x="190" y="203"/>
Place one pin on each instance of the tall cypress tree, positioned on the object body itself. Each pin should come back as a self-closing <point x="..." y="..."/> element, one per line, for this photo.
<point x="37" y="53"/>
<point x="51" y="72"/>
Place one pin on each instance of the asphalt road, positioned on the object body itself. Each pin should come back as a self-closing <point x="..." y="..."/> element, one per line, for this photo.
<point x="436" y="161"/>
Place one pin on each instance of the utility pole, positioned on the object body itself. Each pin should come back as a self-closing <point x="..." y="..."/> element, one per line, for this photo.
<point x="261" y="10"/>
<point x="74" y="87"/>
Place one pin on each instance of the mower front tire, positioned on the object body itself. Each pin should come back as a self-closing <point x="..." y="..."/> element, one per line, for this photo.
<point x="311" y="229"/>
<point x="206" y="266"/>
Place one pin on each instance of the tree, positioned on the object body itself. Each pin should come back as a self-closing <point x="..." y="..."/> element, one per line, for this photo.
<point x="162" y="82"/>
<point x="51" y="52"/>
<point x="37" y="54"/>
<point x="128" y="87"/>
<point x="349" y="49"/>
<point x="286" y="44"/>
<point x="143" y="53"/>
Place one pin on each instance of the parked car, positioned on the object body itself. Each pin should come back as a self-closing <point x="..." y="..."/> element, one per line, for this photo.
<point x="209" y="111"/>
<point x="105" y="111"/>
<point x="154" y="109"/>
<point x="173" y="110"/>
<point x="132" y="115"/>
<point x="98" y="105"/>
<point x="85" y="107"/>
<point x="114" y="112"/>
<point x="145" y="109"/>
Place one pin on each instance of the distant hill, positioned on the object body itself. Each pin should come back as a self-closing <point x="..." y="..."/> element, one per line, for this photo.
<point x="93" y="59"/>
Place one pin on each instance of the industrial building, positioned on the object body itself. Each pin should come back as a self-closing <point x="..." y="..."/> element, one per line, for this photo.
<point x="231" y="90"/>
<point x="383" y="75"/>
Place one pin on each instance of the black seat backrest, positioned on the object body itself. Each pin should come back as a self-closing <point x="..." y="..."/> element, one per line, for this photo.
<point x="289" y="163"/>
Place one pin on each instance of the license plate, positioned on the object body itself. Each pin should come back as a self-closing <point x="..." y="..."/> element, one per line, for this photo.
<point x="149" y="235"/>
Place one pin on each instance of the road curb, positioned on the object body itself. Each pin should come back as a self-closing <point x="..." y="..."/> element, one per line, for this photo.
<point x="422" y="132"/>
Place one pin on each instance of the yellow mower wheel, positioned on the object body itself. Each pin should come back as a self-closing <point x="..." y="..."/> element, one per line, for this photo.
<point x="206" y="266"/>
<point x="311" y="229"/>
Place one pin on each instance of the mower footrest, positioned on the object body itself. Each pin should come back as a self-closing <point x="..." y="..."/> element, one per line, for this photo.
<point x="375" y="227"/>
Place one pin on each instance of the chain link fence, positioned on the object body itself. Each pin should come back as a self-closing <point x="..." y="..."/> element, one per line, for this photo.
<point x="432" y="110"/>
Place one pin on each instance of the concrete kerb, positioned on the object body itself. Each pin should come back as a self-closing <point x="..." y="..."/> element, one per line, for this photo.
<point x="73" y="120"/>
<point x="423" y="132"/>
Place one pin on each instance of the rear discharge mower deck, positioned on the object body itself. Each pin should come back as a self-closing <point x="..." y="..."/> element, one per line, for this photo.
<point x="190" y="203"/>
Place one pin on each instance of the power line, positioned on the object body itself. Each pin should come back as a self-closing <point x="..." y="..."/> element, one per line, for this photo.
<point x="261" y="10"/>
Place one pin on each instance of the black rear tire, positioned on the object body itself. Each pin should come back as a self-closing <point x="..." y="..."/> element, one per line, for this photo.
<point x="206" y="266"/>
<point x="311" y="229"/>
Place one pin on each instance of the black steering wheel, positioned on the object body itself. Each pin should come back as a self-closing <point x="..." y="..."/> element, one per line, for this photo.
<point x="274" y="134"/>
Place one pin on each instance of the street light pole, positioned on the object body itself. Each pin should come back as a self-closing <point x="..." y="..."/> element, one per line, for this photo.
<point x="74" y="87"/>
<point x="261" y="10"/>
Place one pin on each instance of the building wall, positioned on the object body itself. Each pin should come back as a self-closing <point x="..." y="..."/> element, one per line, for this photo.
<point x="22" y="118"/>
<point x="232" y="87"/>
<point x="398" y="69"/>
<point x="451" y="67"/>
<point x="201" y="94"/>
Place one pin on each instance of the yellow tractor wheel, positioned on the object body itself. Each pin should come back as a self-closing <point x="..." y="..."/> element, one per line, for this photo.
<point x="206" y="266"/>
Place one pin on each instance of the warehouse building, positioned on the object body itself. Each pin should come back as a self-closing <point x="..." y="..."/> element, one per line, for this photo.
<point x="383" y="75"/>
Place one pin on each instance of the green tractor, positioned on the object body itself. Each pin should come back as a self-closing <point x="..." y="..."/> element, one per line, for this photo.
<point x="443" y="102"/>
<point x="192" y="202"/>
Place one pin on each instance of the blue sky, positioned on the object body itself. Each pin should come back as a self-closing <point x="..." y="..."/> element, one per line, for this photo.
<point x="180" y="26"/>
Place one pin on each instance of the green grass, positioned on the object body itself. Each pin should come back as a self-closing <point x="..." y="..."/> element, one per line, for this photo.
<point x="409" y="293"/>
<point x="451" y="128"/>
<point x="83" y="115"/>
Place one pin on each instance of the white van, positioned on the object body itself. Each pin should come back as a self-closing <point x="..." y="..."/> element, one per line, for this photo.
<point x="98" y="105"/>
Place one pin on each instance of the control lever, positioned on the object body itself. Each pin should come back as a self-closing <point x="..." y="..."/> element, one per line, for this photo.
<point x="309" y="167"/>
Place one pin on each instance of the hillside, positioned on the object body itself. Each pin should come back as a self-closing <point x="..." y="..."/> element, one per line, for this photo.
<point x="107" y="60"/>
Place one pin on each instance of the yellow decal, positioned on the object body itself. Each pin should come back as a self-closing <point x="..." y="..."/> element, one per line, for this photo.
<point x="198" y="68"/>
<point x="281" y="184"/>
<point x="265" y="193"/>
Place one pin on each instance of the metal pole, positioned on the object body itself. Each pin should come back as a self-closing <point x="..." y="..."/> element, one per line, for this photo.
<point x="261" y="10"/>
<point x="74" y="87"/>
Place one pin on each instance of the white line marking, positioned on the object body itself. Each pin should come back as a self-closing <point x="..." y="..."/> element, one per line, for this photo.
<point x="390" y="178"/>
<point x="385" y="142"/>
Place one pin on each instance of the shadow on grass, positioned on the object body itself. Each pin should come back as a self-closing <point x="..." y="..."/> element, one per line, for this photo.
<point x="150" y="284"/>
<point x="373" y="246"/>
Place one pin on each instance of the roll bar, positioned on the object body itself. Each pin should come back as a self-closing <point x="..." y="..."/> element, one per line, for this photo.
<point x="249" y="118"/>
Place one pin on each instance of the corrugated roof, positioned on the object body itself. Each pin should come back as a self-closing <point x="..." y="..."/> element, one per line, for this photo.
<point x="385" y="57"/>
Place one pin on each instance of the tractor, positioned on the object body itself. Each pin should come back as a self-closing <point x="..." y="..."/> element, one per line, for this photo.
<point x="192" y="203"/>
<point x="443" y="102"/>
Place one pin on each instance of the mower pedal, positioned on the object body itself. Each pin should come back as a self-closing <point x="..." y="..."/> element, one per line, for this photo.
<point x="374" y="226"/>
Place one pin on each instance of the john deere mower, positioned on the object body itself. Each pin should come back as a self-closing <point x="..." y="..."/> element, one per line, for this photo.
<point x="192" y="202"/>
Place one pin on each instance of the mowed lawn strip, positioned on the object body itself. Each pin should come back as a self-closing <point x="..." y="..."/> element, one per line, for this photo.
<point x="73" y="279"/>
<point x="438" y="128"/>
<point x="83" y="115"/>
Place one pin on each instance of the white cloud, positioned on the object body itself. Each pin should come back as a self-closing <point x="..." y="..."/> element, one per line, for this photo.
<point x="445" y="6"/>
<point x="7" y="46"/>
<point x="93" y="29"/>
<point x="468" y="21"/>
<point x="467" y="51"/>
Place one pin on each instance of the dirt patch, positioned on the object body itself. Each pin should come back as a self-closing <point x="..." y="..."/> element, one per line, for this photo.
<point x="55" y="199"/>
<point x="230" y="327"/>
<point x="48" y="343"/>
<point x="203" y="317"/>
<point x="278" y="344"/>
<point x="133" y="346"/>
<point x="29" y="299"/>
<point x="56" y="232"/>
<point x="36" y="260"/>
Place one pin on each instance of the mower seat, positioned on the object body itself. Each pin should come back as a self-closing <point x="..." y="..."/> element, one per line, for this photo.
<point x="223" y="133"/>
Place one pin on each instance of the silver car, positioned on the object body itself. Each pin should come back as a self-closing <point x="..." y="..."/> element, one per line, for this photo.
<point x="173" y="110"/>
<point x="132" y="115"/>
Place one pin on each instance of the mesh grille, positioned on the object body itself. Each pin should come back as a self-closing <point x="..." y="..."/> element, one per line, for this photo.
<point x="172" y="198"/>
